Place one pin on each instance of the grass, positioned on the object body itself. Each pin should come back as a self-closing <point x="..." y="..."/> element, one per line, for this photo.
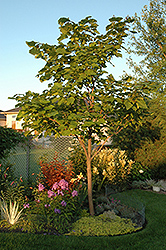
<point x="152" y="237"/>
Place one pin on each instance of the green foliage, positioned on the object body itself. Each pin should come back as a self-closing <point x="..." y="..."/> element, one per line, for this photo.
<point x="109" y="167"/>
<point x="15" y="191"/>
<point x="6" y="175"/>
<point x="124" y="208"/>
<point x="9" y="138"/>
<point x="145" y="142"/>
<point x="139" y="172"/>
<point x="149" y="44"/>
<point x="78" y="160"/>
<point x="153" y="155"/>
<point x="151" y="237"/>
<point x="102" y="225"/>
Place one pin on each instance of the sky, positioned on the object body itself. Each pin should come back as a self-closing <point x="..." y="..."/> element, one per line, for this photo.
<point x="37" y="20"/>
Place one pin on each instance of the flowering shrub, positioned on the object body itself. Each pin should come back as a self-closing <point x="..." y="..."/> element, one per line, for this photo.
<point x="55" y="171"/>
<point x="114" y="165"/>
<point x="58" y="206"/>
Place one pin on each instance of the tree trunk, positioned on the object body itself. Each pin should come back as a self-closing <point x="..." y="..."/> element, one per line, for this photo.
<point x="89" y="178"/>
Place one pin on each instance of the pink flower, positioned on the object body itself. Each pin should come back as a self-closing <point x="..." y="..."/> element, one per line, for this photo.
<point x="12" y="183"/>
<point x="26" y="205"/>
<point x="60" y="192"/>
<point x="40" y="187"/>
<point x="5" y="175"/>
<point x="55" y="186"/>
<point x="74" y="193"/>
<point x="50" y="193"/>
<point x="63" y="184"/>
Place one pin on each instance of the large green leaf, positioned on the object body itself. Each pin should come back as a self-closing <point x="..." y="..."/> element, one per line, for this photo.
<point x="128" y="104"/>
<point x="141" y="103"/>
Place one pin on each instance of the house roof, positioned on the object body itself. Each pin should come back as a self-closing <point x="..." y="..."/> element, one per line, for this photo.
<point x="15" y="111"/>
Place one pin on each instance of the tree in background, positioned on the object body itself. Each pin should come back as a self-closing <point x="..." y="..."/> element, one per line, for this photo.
<point x="149" y="44"/>
<point x="9" y="138"/>
<point x="83" y="100"/>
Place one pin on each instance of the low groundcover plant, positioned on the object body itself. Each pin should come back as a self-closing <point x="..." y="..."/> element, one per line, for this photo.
<point x="103" y="225"/>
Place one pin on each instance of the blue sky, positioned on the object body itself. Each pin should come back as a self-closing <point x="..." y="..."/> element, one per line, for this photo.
<point x="27" y="20"/>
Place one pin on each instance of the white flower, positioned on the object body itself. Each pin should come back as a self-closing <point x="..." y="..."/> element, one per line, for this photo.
<point x="141" y="171"/>
<point x="95" y="170"/>
<point x="104" y="172"/>
<point x="70" y="149"/>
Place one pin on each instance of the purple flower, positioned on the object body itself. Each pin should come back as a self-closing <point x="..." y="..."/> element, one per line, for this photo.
<point x="63" y="184"/>
<point x="50" y="193"/>
<point x="57" y="211"/>
<point x="63" y="203"/>
<point x="74" y="193"/>
<point x="45" y="205"/>
<point x="40" y="187"/>
<point x="55" y="186"/>
<point x="26" y="205"/>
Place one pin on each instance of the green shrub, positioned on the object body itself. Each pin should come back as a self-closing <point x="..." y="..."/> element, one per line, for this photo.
<point x="139" y="172"/>
<point x="152" y="154"/>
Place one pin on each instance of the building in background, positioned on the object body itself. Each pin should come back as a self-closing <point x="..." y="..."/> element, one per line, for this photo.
<point x="8" y="119"/>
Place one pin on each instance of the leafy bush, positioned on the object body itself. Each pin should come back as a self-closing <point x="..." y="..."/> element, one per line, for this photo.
<point x="139" y="172"/>
<point x="152" y="154"/>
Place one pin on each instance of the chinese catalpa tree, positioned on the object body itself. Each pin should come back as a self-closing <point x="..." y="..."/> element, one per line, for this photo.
<point x="82" y="99"/>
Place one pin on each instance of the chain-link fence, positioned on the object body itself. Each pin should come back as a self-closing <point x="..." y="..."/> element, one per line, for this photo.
<point x="26" y="157"/>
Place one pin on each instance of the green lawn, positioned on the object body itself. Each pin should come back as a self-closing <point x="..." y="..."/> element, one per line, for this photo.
<point x="152" y="237"/>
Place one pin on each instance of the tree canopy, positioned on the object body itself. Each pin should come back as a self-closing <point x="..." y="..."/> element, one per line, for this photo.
<point x="149" y="45"/>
